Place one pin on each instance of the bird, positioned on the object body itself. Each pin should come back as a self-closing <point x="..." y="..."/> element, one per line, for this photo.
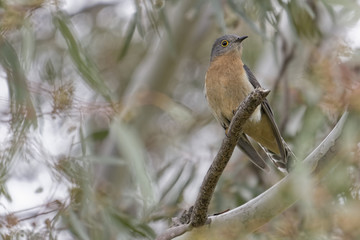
<point x="228" y="81"/>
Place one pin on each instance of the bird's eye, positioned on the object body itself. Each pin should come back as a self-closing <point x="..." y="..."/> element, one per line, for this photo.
<point x="224" y="43"/>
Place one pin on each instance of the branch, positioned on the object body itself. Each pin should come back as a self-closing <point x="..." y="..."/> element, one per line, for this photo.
<point x="246" y="108"/>
<point x="198" y="216"/>
<point x="260" y="210"/>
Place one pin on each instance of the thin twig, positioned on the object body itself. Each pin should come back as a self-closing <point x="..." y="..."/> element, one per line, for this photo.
<point x="281" y="75"/>
<point x="285" y="64"/>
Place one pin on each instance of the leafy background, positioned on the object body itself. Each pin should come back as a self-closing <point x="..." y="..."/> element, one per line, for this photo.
<point x="106" y="134"/>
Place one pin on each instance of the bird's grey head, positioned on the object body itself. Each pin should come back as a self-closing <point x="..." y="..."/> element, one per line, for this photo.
<point x="226" y="44"/>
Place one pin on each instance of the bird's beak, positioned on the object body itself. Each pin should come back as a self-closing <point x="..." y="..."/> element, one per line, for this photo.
<point x="240" y="39"/>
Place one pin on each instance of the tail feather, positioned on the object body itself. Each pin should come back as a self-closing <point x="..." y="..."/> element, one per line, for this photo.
<point x="245" y="145"/>
<point x="283" y="164"/>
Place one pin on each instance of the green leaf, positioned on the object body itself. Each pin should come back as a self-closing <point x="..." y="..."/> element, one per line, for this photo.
<point x="99" y="135"/>
<point x="3" y="188"/>
<point x="77" y="227"/>
<point x="172" y="182"/>
<point x="23" y="109"/>
<point x="313" y="124"/>
<point x="241" y="12"/>
<point x="132" y="225"/>
<point x="139" y="10"/>
<point x="169" y="33"/>
<point x="105" y="160"/>
<point x="49" y="72"/>
<point x="28" y="45"/>
<point x="189" y="181"/>
<point x="132" y="149"/>
<point x="83" y="63"/>
<point x="219" y="14"/>
<point x="129" y="35"/>
<point x="82" y="141"/>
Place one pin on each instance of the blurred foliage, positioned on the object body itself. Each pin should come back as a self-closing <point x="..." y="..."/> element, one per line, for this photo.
<point x="121" y="83"/>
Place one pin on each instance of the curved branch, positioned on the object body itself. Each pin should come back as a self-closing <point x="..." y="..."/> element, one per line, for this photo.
<point x="260" y="210"/>
<point x="174" y="232"/>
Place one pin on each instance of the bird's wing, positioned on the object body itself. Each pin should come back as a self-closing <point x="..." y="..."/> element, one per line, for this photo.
<point x="245" y="145"/>
<point x="269" y="113"/>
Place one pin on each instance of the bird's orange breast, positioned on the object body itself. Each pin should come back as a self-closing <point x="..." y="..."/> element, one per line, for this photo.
<point x="226" y="85"/>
